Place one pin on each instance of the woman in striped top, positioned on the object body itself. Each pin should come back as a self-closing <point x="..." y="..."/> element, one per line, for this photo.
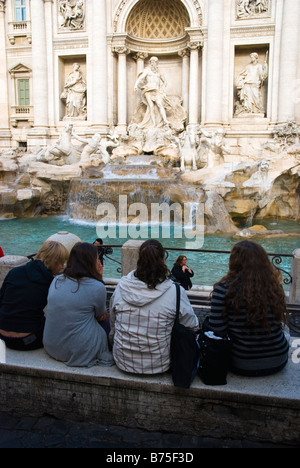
<point x="248" y="304"/>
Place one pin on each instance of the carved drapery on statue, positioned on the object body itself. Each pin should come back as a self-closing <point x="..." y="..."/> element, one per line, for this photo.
<point x="156" y="108"/>
<point x="249" y="87"/>
<point x="157" y="117"/>
<point x="74" y="94"/>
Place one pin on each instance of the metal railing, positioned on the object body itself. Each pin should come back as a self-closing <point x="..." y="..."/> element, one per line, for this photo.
<point x="276" y="258"/>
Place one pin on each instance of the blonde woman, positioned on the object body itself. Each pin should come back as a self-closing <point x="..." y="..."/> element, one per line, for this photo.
<point x="23" y="297"/>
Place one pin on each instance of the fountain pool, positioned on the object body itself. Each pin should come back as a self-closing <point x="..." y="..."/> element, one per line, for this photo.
<point x="25" y="236"/>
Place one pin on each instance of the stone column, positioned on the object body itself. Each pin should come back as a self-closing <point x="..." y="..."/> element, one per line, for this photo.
<point x="99" y="92"/>
<point x="39" y="64"/>
<point x="140" y="65"/>
<point x="214" y="63"/>
<point x="140" y="61"/>
<point x="50" y="62"/>
<point x="185" y="77"/>
<point x="39" y="74"/>
<point x="4" y="105"/>
<point x="288" y="60"/>
<point x="122" y="88"/>
<point x="194" y="83"/>
<point x="130" y="255"/>
<point x="294" y="295"/>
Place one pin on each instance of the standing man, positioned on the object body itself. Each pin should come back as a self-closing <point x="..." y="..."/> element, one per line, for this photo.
<point x="153" y="84"/>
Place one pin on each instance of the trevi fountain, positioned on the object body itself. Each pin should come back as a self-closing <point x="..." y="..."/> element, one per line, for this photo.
<point x="158" y="159"/>
<point x="167" y="137"/>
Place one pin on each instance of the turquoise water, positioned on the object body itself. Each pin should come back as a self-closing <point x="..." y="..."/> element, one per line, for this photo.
<point x="25" y="237"/>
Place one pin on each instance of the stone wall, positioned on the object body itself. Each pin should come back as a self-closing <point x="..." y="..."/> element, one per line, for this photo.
<point x="151" y="403"/>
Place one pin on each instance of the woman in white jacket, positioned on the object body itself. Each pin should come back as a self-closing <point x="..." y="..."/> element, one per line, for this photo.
<point x="142" y="314"/>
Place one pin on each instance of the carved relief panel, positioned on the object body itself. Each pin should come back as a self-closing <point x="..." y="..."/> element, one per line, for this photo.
<point x="248" y="9"/>
<point x="71" y="15"/>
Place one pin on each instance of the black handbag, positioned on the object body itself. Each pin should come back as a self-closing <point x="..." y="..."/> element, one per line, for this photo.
<point x="185" y="351"/>
<point x="214" y="357"/>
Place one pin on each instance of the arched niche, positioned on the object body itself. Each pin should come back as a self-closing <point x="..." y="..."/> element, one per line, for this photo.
<point x="194" y="9"/>
<point x="170" y="30"/>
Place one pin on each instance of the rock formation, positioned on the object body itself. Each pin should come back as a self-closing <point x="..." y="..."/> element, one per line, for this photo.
<point x="258" y="183"/>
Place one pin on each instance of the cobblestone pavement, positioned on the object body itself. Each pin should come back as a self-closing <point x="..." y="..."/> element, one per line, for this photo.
<point x="49" y="432"/>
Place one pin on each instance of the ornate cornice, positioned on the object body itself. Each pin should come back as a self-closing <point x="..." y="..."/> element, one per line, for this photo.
<point x="255" y="30"/>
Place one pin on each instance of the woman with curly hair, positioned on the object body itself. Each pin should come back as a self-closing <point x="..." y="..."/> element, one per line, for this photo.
<point x="142" y="314"/>
<point x="248" y="304"/>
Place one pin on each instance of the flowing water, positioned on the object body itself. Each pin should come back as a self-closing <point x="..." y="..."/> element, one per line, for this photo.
<point x="25" y="236"/>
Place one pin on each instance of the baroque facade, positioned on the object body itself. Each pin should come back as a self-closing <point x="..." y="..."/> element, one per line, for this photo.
<point x="234" y="64"/>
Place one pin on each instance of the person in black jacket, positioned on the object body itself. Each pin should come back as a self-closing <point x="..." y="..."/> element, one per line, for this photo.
<point x="181" y="273"/>
<point x="99" y="244"/>
<point x="23" y="297"/>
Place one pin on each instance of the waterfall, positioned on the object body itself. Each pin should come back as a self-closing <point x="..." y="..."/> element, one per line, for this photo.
<point x="85" y="196"/>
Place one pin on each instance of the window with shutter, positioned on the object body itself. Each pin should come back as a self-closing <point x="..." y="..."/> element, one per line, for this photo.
<point x="23" y="93"/>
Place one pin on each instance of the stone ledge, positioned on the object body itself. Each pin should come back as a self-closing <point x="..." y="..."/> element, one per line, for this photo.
<point x="261" y="409"/>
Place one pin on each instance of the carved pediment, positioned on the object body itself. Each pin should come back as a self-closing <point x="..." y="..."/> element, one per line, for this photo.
<point x="20" y="68"/>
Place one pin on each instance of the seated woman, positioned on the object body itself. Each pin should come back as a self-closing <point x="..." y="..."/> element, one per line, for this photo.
<point x="142" y="314"/>
<point x="76" y="302"/>
<point x="182" y="273"/>
<point x="248" y="304"/>
<point x="23" y="297"/>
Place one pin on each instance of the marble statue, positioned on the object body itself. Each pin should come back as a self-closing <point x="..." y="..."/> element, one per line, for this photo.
<point x="157" y="110"/>
<point x="92" y="152"/>
<point x="60" y="151"/>
<point x="153" y="85"/>
<point x="75" y="93"/>
<point x="214" y="145"/>
<point x="90" y="146"/>
<point x="187" y="149"/>
<point x="249" y="86"/>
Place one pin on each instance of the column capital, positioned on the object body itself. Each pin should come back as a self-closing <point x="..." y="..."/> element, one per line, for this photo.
<point x="184" y="52"/>
<point x="141" y="55"/>
<point x="193" y="45"/>
<point x="121" y="50"/>
<point x="2" y="5"/>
